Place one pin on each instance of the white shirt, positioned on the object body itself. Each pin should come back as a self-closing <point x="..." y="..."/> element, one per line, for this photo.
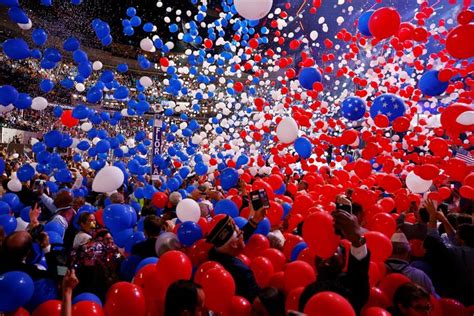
<point x="81" y="239"/>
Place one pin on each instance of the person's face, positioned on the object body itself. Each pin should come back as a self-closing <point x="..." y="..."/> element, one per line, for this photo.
<point x="420" y="307"/>
<point x="89" y="225"/>
<point x="201" y="310"/>
<point x="237" y="245"/>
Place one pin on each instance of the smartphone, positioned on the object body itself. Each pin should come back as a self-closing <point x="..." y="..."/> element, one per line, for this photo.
<point x="259" y="199"/>
<point x="62" y="270"/>
<point x="344" y="207"/>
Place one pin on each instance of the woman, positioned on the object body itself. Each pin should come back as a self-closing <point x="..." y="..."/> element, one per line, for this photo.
<point x="87" y="224"/>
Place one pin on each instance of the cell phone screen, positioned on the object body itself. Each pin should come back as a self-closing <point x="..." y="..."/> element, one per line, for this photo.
<point x="259" y="199"/>
<point x="62" y="270"/>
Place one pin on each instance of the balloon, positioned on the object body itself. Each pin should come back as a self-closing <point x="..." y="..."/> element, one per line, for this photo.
<point x="68" y="120"/>
<point x="125" y="298"/>
<point x="262" y="269"/>
<point x="287" y="130"/>
<point x="318" y="233"/>
<point x="458" y="41"/>
<point x="16" y="49"/>
<point x="363" y="24"/>
<point x="8" y="223"/>
<point x="189" y="233"/>
<point x="39" y="103"/>
<point x="252" y="10"/>
<point x="309" y="76"/>
<point x="353" y="108"/>
<point x="276" y="257"/>
<point x="118" y="217"/>
<point x="16" y="288"/>
<point x="390" y="283"/>
<point x="239" y="306"/>
<point x="219" y="287"/>
<point x="166" y="241"/>
<point x="84" y="297"/>
<point x="379" y="245"/>
<point x="389" y="105"/>
<point x="382" y="222"/>
<point x="384" y="22"/>
<point x="328" y="303"/>
<point x="363" y="168"/>
<point x="256" y="245"/>
<point x="87" y="309"/>
<point x="25" y="173"/>
<point x="108" y="179"/>
<point x="416" y="184"/>
<point x="430" y="85"/>
<point x="188" y="210"/>
<point x="17" y="15"/>
<point x="226" y="206"/>
<point x="303" y="147"/>
<point x="450" y="118"/>
<point x="229" y="178"/>
<point x="298" y="274"/>
<point x="375" y="311"/>
<point x="8" y="95"/>
<point x="159" y="199"/>
<point x="49" y="308"/>
<point x="450" y="306"/>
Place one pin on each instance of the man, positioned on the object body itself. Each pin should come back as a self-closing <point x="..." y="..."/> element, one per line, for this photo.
<point x="354" y="284"/>
<point x="152" y="229"/>
<point x="184" y="298"/>
<point x="228" y="241"/>
<point x="399" y="263"/>
<point x="61" y="206"/>
<point x="418" y="230"/>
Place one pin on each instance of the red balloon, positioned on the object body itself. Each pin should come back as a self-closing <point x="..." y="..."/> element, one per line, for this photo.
<point x="143" y="274"/>
<point x="459" y="41"/>
<point x="384" y="223"/>
<point x="159" y="199"/>
<point x="381" y="121"/>
<point x="384" y="22"/>
<point x="256" y="245"/>
<point x="452" y="307"/>
<point x="318" y="233"/>
<point x="275" y="181"/>
<point x="387" y="204"/>
<point x="203" y="268"/>
<point x="362" y="168"/>
<point x="401" y="124"/>
<point x="219" y="287"/>
<point x="48" y="308"/>
<point x="439" y="147"/>
<point x="301" y="204"/>
<point x="467" y="192"/>
<point x="390" y="283"/>
<point x="379" y="245"/>
<point x="328" y="303"/>
<point x="456" y="169"/>
<point x="290" y="242"/>
<point x="450" y="115"/>
<point x="175" y="265"/>
<point x="20" y="312"/>
<point x="277" y="258"/>
<point x="262" y="269"/>
<point x="68" y="120"/>
<point x="293" y="299"/>
<point x="417" y="249"/>
<point x="377" y="298"/>
<point x="239" y="306"/>
<point x="86" y="308"/>
<point x="297" y="274"/>
<point x="278" y="281"/>
<point x="125" y="298"/>
<point x="390" y="183"/>
<point x="274" y="213"/>
<point x="374" y="274"/>
<point x="198" y="253"/>
<point x="375" y="311"/>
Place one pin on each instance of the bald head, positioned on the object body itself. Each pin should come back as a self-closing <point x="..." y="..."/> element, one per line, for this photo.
<point x="117" y="198"/>
<point x="18" y="245"/>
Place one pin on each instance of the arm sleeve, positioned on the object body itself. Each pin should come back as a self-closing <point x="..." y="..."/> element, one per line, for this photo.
<point x="78" y="183"/>
<point x="48" y="202"/>
<point x="248" y="230"/>
<point x="357" y="278"/>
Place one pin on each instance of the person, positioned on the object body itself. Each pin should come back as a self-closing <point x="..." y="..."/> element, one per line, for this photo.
<point x="87" y="224"/>
<point x="269" y="302"/>
<point x="354" y="284"/>
<point x="184" y="298"/>
<point x="70" y="281"/>
<point x="170" y="210"/>
<point x="399" y="263"/>
<point x="61" y="207"/>
<point x="153" y="225"/>
<point x="417" y="230"/>
<point x="410" y="299"/>
<point x="228" y="241"/>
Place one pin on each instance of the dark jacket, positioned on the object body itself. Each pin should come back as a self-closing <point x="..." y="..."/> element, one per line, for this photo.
<point x="145" y="248"/>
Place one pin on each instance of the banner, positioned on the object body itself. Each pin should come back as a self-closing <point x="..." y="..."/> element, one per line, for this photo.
<point x="156" y="148"/>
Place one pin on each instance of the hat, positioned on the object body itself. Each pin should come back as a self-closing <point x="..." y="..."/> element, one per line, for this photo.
<point x="222" y="232"/>
<point x="400" y="238"/>
<point x="400" y="243"/>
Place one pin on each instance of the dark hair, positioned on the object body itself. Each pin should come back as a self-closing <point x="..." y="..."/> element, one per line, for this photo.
<point x="466" y="233"/>
<point x="101" y="233"/>
<point x="273" y="300"/>
<point x="357" y="209"/>
<point x="83" y="217"/>
<point x="424" y="215"/>
<point x="406" y="294"/>
<point x="181" y="296"/>
<point x="152" y="225"/>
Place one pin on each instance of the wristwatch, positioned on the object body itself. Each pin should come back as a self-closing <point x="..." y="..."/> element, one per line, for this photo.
<point x="360" y="242"/>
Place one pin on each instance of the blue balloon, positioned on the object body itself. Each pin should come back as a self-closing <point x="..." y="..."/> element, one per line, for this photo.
<point x="84" y="69"/>
<point x="240" y="221"/>
<point x="55" y="237"/>
<point x="12" y="199"/>
<point x="309" y="76"/>
<point x="128" y="267"/>
<point x="297" y="250"/>
<point x="229" y="178"/>
<point x="122" y="237"/>
<point x="52" y="55"/>
<point x="17" y="15"/>
<point x="44" y="290"/>
<point x="39" y="37"/>
<point x="353" y="108"/>
<point x="53" y="138"/>
<point x="172" y="184"/>
<point x="363" y="24"/>
<point x="80" y="112"/>
<point x="8" y="223"/>
<point x="80" y="56"/>
<point x="94" y="95"/>
<point x="8" y="95"/>
<point x="2" y="166"/>
<point x="189" y="233"/>
<point x="135" y="21"/>
<point x="25" y="173"/>
<point x="145" y="262"/>
<point x="303" y="147"/>
<point x="226" y="206"/>
<point x="430" y="85"/>
<point x="131" y="12"/>
<point x="46" y="85"/>
<point x="63" y="176"/>
<point x="24" y="101"/>
<point x="25" y="214"/>
<point x="263" y="228"/>
<point x="118" y="217"/>
<point x="122" y="68"/>
<point x="5" y="208"/>
<point x="17" y="289"/>
<point x="201" y="168"/>
<point x="136" y="238"/>
<point x="148" y="27"/>
<point x="71" y="44"/>
<point x="121" y="93"/>
<point x="388" y="104"/>
<point x="86" y="297"/>
<point x="102" y="146"/>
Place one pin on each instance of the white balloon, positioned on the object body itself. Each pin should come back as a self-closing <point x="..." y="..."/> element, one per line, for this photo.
<point x="146" y="81"/>
<point x="108" y="179"/>
<point x="97" y="65"/>
<point x="147" y="44"/>
<point x="14" y="185"/>
<point x="80" y="87"/>
<point x="85" y="165"/>
<point x="188" y="210"/>
<point x="39" y="104"/>
<point x="253" y="9"/>
<point x="87" y="126"/>
<point x="26" y="26"/>
<point x="21" y="225"/>
<point x="5" y="109"/>
<point x="417" y="184"/>
<point x="287" y="130"/>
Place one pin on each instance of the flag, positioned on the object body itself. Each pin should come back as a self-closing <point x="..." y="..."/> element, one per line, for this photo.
<point x="465" y="156"/>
